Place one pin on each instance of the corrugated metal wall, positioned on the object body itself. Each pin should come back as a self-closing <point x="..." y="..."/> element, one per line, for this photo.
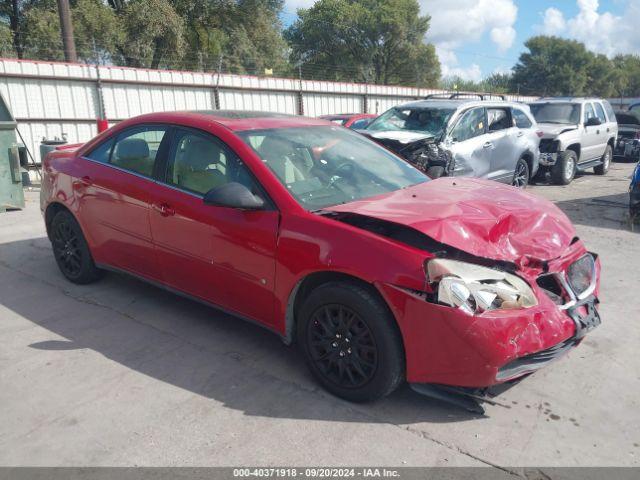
<point x="49" y="99"/>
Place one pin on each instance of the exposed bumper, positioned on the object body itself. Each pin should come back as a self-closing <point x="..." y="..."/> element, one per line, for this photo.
<point x="548" y="159"/>
<point x="627" y="148"/>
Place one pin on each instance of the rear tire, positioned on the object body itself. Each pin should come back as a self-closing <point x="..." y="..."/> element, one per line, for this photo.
<point x="521" y="174"/>
<point x="565" y="168"/>
<point x="435" y="172"/>
<point x="71" y="250"/>
<point x="351" y="342"/>
<point x="606" y="162"/>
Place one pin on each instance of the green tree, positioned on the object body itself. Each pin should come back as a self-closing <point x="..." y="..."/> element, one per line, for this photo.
<point x="96" y="29"/>
<point x="600" y="76"/>
<point x="380" y="41"/>
<point x="154" y="34"/>
<point x="626" y="75"/>
<point x="553" y="66"/>
<point x="6" y="40"/>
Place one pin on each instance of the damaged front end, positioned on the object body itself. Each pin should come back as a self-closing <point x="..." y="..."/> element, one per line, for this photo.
<point x="506" y="286"/>
<point x="424" y="152"/>
<point x="480" y="326"/>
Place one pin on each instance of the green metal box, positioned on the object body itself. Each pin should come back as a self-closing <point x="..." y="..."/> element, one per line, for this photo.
<point x="11" y="193"/>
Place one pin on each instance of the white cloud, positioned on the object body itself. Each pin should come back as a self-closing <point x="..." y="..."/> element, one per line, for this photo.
<point x="602" y="32"/>
<point x="455" y="23"/>
<point x="554" y="23"/>
<point x="451" y="68"/>
<point x="459" y="22"/>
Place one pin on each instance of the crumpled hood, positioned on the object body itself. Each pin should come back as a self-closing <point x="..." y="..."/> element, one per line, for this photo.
<point x="550" y="130"/>
<point x="480" y="217"/>
<point x="401" y="136"/>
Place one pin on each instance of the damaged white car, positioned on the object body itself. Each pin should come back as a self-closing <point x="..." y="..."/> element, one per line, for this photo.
<point x="459" y="135"/>
<point x="578" y="134"/>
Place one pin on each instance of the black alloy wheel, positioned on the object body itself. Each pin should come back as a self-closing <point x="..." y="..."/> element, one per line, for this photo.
<point x="71" y="250"/>
<point x="342" y="346"/>
<point x="351" y="341"/>
<point x="65" y="246"/>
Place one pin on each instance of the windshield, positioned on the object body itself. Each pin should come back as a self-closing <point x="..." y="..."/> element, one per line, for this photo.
<point x="429" y="120"/>
<point x="323" y="166"/>
<point x="556" y="112"/>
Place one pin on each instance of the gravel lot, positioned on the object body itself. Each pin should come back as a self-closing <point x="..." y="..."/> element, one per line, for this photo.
<point x="122" y="373"/>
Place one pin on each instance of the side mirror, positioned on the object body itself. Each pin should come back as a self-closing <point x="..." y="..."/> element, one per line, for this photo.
<point x="593" y="122"/>
<point x="233" y="195"/>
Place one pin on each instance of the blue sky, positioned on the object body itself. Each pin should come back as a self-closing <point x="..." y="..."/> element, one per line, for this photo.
<point x="475" y="38"/>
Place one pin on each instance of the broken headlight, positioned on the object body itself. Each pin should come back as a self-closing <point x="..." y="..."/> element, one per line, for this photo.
<point x="475" y="289"/>
<point x="581" y="276"/>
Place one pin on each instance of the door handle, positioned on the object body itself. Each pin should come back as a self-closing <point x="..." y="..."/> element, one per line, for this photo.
<point x="164" y="209"/>
<point x="487" y="145"/>
<point x="520" y="134"/>
<point x="86" y="180"/>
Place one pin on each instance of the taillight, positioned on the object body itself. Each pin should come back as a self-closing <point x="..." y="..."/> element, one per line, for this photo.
<point x="540" y="133"/>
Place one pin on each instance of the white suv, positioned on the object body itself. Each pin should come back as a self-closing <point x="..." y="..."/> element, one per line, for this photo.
<point x="462" y="136"/>
<point x="578" y="134"/>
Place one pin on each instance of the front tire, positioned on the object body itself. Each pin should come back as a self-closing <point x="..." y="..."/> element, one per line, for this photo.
<point x="71" y="250"/>
<point x="606" y="162"/>
<point x="351" y="342"/>
<point x="565" y="168"/>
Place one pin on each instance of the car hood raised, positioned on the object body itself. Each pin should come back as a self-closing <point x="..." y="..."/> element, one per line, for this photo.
<point x="404" y="137"/>
<point x="480" y="217"/>
<point x="553" y="129"/>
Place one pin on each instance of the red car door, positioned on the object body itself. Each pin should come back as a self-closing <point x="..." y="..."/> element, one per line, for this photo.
<point x="113" y="197"/>
<point x="222" y="255"/>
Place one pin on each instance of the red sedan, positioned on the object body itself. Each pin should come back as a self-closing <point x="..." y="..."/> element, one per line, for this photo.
<point x="331" y="241"/>
<point x="354" y="121"/>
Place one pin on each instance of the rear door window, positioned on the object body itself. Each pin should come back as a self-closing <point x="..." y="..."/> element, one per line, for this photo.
<point x="136" y="149"/>
<point x="470" y="125"/>
<point x="520" y="119"/>
<point x="498" y="119"/>
<point x="600" y="112"/>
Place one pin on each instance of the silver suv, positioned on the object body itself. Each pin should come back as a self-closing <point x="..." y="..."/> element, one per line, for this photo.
<point x="578" y="134"/>
<point x="458" y="135"/>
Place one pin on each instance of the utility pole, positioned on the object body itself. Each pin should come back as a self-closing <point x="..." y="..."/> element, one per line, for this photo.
<point x="66" y="28"/>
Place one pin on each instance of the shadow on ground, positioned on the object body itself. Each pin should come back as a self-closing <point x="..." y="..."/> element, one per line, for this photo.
<point x="186" y="344"/>
<point x="607" y="211"/>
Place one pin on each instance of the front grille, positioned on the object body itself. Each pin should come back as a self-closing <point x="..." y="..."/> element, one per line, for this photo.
<point x="534" y="361"/>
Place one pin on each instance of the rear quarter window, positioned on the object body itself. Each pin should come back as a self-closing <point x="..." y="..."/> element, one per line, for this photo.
<point x="102" y="152"/>
<point x="520" y="119"/>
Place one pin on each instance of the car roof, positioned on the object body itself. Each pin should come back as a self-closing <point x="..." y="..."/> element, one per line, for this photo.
<point x="346" y="115"/>
<point x="457" y="103"/>
<point x="566" y="100"/>
<point x="236" y="120"/>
